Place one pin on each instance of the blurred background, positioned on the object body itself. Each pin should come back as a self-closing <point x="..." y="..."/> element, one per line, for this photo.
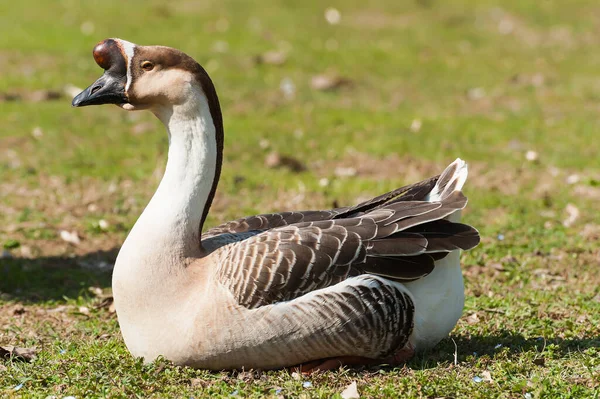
<point x="325" y="104"/>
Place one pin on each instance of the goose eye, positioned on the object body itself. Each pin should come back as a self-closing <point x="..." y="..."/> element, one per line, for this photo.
<point x="147" y="66"/>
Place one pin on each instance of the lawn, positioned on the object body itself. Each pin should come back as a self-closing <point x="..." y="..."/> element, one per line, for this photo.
<point x="321" y="108"/>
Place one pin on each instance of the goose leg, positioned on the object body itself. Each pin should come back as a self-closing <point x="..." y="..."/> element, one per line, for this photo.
<point x="334" y="363"/>
<point x="401" y="356"/>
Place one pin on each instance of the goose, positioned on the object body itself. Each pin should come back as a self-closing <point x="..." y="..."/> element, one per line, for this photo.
<point x="368" y="284"/>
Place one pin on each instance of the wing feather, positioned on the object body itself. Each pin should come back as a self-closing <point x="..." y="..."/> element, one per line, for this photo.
<point x="398" y="241"/>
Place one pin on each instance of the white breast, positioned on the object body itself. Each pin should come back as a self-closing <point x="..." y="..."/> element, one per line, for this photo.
<point x="439" y="300"/>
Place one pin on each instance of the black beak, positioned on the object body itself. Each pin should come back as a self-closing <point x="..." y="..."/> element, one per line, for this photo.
<point x="109" y="89"/>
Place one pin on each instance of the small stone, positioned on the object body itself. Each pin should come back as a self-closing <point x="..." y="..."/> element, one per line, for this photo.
<point x="350" y="392"/>
<point x="70" y="236"/>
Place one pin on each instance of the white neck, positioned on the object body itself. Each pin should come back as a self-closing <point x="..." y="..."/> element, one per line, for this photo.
<point x="169" y="228"/>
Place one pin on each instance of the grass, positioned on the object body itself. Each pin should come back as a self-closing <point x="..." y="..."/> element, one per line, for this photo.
<point x="474" y="79"/>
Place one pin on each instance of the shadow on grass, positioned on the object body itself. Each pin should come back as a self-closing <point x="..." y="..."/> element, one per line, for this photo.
<point x="491" y="345"/>
<point x="55" y="278"/>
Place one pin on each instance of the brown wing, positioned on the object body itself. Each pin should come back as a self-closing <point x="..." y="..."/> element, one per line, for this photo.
<point x="287" y="262"/>
<point x="412" y="192"/>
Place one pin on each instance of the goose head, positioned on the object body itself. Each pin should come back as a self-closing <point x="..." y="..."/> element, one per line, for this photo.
<point x="145" y="77"/>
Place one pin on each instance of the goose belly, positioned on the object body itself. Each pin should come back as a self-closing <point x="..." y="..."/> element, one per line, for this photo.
<point x="439" y="300"/>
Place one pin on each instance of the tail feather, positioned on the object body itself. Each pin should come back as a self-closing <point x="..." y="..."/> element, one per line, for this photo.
<point x="452" y="179"/>
<point x="412" y="233"/>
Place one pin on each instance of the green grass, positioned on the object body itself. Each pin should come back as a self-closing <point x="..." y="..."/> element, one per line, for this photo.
<point x="488" y="84"/>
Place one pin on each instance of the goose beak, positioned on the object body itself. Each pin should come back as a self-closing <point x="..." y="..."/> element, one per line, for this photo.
<point x="109" y="89"/>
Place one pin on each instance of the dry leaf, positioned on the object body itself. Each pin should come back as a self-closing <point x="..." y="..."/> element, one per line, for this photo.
<point x="572" y="215"/>
<point x="473" y="318"/>
<point x="351" y="391"/>
<point x="328" y="82"/>
<point x="486" y="376"/>
<point x="16" y="353"/>
<point x="107" y="303"/>
<point x="271" y="58"/>
<point x="276" y="160"/>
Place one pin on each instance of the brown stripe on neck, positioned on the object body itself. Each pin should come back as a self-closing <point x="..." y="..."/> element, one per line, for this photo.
<point x="168" y="57"/>
<point x="215" y="112"/>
